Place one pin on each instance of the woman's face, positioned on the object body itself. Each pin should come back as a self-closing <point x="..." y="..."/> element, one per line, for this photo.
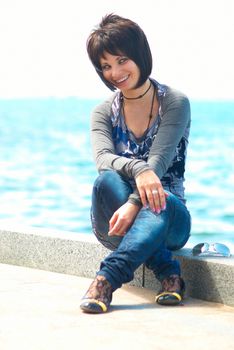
<point x="120" y="71"/>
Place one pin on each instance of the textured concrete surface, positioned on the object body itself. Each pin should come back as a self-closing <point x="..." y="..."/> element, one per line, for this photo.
<point x="58" y="251"/>
<point x="39" y="310"/>
<point x="209" y="279"/>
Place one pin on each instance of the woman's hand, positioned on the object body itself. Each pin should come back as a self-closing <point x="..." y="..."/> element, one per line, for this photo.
<point x="151" y="191"/>
<point x="122" y="219"/>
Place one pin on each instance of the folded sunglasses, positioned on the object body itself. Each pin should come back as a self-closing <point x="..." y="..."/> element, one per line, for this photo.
<point x="214" y="249"/>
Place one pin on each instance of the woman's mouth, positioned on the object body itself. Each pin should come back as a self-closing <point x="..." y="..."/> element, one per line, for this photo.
<point x="122" y="80"/>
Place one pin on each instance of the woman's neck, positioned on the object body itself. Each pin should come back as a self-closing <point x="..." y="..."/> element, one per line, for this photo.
<point x="137" y="94"/>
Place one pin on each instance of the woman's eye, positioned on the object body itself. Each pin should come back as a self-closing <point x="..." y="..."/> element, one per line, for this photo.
<point x="123" y="60"/>
<point x="105" y="67"/>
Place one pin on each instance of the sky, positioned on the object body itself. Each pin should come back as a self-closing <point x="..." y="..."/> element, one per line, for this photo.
<point x="43" y="46"/>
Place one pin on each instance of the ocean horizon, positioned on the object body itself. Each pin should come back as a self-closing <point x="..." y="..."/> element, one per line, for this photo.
<point x="47" y="169"/>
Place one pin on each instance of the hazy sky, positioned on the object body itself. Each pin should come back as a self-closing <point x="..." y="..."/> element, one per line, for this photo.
<point x="43" y="45"/>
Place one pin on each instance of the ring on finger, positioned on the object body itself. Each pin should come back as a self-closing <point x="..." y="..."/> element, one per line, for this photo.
<point x="154" y="191"/>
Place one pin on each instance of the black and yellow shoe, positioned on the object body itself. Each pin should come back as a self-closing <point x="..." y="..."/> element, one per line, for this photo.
<point x="98" y="297"/>
<point x="172" y="292"/>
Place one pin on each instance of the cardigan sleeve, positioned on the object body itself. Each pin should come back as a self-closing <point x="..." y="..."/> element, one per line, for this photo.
<point x="174" y="121"/>
<point x="103" y="146"/>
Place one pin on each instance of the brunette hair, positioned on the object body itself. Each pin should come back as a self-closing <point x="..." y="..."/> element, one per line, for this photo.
<point x="120" y="36"/>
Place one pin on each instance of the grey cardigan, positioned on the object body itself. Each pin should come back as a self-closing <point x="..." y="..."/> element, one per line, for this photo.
<point x="174" y="127"/>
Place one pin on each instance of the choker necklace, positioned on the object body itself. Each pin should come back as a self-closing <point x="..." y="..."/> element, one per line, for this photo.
<point x="140" y="96"/>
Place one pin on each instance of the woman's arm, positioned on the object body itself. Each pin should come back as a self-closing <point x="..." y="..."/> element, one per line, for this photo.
<point x="175" y="119"/>
<point x="103" y="146"/>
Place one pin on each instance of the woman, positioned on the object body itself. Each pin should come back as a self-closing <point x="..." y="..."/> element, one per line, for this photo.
<point x="139" y="140"/>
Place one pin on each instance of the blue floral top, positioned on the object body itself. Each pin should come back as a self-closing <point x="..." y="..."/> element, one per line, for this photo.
<point x="126" y="144"/>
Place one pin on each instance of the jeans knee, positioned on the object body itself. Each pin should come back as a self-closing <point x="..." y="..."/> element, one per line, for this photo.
<point x="180" y="224"/>
<point x="105" y="178"/>
<point x="172" y="245"/>
<point x="112" y="186"/>
<point x="179" y="234"/>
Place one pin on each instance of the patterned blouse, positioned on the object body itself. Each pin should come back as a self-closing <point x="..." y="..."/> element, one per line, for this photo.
<point x="127" y="145"/>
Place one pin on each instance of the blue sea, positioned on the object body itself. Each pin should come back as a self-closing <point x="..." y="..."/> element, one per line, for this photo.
<point x="47" y="170"/>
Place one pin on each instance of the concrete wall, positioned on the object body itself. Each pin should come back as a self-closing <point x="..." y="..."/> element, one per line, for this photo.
<point x="209" y="279"/>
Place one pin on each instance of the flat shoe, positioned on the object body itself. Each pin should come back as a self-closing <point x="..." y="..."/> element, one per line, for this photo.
<point x="172" y="292"/>
<point x="93" y="306"/>
<point x="168" y="298"/>
<point x="98" y="297"/>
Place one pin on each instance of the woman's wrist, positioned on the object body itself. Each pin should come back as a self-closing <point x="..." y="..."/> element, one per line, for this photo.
<point x="135" y="201"/>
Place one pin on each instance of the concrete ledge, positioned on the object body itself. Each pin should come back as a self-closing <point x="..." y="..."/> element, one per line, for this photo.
<point x="209" y="279"/>
<point x="57" y="251"/>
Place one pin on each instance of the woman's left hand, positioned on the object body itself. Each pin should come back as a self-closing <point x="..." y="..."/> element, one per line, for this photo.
<point x="151" y="191"/>
<point x="122" y="219"/>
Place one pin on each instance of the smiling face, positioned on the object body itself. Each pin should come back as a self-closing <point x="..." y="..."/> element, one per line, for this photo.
<point x="120" y="71"/>
<point x="119" y="36"/>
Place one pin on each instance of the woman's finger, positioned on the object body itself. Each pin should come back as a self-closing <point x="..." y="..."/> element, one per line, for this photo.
<point x="157" y="200"/>
<point x="117" y="231"/>
<point x="162" y="199"/>
<point x="155" y="195"/>
<point x="118" y="227"/>
<point x="151" y="197"/>
<point x="113" y="220"/>
<point x="143" y="197"/>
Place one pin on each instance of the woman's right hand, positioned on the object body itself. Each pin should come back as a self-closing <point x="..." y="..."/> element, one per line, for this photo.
<point x="122" y="219"/>
<point x="151" y="191"/>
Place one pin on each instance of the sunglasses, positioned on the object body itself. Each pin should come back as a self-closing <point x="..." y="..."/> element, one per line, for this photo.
<point x="215" y="249"/>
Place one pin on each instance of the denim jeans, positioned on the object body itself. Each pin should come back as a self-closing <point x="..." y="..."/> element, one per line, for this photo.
<point x="149" y="240"/>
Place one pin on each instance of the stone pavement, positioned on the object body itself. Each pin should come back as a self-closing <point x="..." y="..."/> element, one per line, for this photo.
<point x="39" y="310"/>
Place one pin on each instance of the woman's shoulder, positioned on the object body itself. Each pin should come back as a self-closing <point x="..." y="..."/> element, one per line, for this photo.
<point x="175" y="94"/>
<point x="168" y="94"/>
<point x="175" y="104"/>
<point x="175" y="99"/>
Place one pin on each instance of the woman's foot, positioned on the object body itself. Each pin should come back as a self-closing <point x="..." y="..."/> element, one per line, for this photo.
<point x="98" y="297"/>
<point x="172" y="292"/>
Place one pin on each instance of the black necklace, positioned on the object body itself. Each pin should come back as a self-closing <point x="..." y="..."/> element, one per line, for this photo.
<point x="140" y="96"/>
<point x="151" y="111"/>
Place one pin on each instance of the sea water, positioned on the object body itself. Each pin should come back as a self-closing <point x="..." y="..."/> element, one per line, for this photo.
<point x="47" y="169"/>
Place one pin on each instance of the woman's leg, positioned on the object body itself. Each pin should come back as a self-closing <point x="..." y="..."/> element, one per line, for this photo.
<point x="178" y="234"/>
<point x="110" y="191"/>
<point x="145" y="241"/>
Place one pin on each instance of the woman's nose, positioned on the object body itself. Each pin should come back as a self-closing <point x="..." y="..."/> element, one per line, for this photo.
<point x="115" y="72"/>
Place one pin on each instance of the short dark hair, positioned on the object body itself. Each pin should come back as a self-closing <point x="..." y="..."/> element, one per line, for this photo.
<point x="120" y="36"/>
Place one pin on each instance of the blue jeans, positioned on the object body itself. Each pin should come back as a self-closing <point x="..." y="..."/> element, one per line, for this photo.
<point x="149" y="240"/>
